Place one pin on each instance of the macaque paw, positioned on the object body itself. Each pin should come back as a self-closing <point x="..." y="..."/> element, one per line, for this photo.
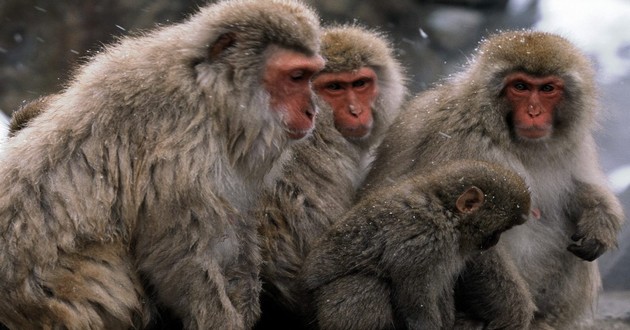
<point x="587" y="248"/>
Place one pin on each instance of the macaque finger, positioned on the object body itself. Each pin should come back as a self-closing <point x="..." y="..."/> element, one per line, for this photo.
<point x="577" y="237"/>
<point x="589" y="249"/>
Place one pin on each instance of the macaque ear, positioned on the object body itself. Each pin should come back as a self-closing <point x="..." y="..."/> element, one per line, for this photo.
<point x="222" y="43"/>
<point x="470" y="200"/>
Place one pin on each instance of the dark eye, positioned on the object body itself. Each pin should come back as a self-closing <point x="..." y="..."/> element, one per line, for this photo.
<point x="297" y="75"/>
<point x="359" y="83"/>
<point x="333" y="86"/>
<point x="520" y="86"/>
<point x="547" y="88"/>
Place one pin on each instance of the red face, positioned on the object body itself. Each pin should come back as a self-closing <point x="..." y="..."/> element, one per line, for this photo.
<point x="287" y="78"/>
<point x="351" y="96"/>
<point x="533" y="99"/>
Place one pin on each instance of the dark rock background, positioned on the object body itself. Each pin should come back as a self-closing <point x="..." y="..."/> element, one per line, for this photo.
<point x="41" y="41"/>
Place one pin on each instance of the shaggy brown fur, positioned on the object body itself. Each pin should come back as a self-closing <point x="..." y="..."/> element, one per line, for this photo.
<point x="539" y="267"/>
<point x="143" y="167"/>
<point x="407" y="243"/>
<point x="319" y="183"/>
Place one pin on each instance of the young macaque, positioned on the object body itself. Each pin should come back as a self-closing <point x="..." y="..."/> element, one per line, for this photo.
<point x="407" y="243"/>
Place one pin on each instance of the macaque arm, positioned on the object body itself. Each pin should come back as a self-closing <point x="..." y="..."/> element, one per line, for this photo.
<point x="202" y="297"/>
<point x="492" y="289"/>
<point x="598" y="222"/>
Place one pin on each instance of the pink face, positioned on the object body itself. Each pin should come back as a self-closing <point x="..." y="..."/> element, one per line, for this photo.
<point x="351" y="95"/>
<point x="287" y="79"/>
<point x="533" y="99"/>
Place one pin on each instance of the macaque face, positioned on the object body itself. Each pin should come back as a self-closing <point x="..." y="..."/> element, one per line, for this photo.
<point x="533" y="101"/>
<point x="351" y="96"/>
<point x="287" y="78"/>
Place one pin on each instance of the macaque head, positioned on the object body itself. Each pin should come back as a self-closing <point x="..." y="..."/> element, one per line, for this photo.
<point x="469" y="203"/>
<point x="487" y="199"/>
<point x="351" y="95"/>
<point x="264" y="56"/>
<point x="287" y="79"/>
<point x="362" y="83"/>
<point x="533" y="100"/>
<point x="543" y="84"/>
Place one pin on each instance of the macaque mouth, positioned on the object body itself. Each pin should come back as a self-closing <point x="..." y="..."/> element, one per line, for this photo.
<point x="302" y="127"/>
<point x="358" y="132"/>
<point x="298" y="134"/>
<point x="534" y="132"/>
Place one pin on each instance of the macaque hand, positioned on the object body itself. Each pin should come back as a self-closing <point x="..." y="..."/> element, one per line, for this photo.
<point x="596" y="233"/>
<point x="587" y="248"/>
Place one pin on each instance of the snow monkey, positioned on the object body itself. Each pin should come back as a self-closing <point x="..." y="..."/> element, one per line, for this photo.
<point x="526" y="100"/>
<point x="360" y="91"/>
<point x="137" y="177"/>
<point x="408" y="242"/>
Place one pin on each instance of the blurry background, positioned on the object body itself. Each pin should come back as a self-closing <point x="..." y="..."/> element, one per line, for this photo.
<point x="41" y="41"/>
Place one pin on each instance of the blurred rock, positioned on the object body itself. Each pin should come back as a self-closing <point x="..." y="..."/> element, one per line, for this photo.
<point x="41" y="41"/>
<point x="455" y="28"/>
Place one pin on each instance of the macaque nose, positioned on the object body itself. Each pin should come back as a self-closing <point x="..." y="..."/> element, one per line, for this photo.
<point x="534" y="110"/>
<point x="355" y="110"/>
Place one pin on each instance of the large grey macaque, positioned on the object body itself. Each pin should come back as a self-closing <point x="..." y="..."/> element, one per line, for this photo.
<point x="408" y="243"/>
<point x="360" y="90"/>
<point x="527" y="100"/>
<point x="137" y="175"/>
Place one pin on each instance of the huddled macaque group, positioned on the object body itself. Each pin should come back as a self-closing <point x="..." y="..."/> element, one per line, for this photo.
<point x="247" y="167"/>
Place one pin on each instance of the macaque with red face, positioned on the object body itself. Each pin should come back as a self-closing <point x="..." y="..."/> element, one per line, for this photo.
<point x="351" y="95"/>
<point x="128" y="191"/>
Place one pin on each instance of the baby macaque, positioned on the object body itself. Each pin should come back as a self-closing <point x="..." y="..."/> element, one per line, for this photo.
<point x="393" y="260"/>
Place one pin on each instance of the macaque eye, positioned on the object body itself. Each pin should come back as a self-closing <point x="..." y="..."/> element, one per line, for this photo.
<point x="297" y="75"/>
<point x="547" y="88"/>
<point x="359" y="83"/>
<point x="333" y="86"/>
<point x="520" y="86"/>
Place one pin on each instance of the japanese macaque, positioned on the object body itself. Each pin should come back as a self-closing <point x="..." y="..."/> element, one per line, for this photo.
<point x="137" y="177"/>
<point x="360" y="91"/>
<point x="527" y="100"/>
<point x="410" y="241"/>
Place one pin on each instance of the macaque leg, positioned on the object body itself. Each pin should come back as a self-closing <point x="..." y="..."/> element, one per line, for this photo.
<point x="369" y="305"/>
<point x="201" y="301"/>
<point x="419" y="307"/>
<point x="96" y="288"/>
<point x="493" y="290"/>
